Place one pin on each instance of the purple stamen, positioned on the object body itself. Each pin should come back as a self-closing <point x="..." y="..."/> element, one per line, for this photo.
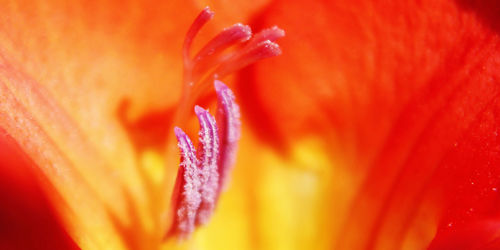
<point x="208" y="159"/>
<point x="187" y="196"/>
<point x="228" y="118"/>
<point x="201" y="177"/>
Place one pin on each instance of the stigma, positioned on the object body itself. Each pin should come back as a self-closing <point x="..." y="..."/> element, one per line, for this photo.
<point x="204" y="171"/>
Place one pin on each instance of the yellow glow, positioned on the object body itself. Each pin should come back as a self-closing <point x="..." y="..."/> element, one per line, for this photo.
<point x="154" y="166"/>
<point x="276" y="202"/>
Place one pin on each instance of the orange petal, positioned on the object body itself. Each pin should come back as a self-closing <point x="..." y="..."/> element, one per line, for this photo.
<point x="74" y="79"/>
<point x="64" y="72"/>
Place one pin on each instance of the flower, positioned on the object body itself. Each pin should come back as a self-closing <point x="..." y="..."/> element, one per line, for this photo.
<point x="127" y="205"/>
<point x="376" y="129"/>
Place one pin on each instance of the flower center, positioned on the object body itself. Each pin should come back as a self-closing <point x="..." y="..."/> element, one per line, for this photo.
<point x="202" y="176"/>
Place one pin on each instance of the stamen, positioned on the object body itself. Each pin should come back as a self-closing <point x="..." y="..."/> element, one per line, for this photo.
<point x="261" y="46"/>
<point x="228" y="118"/>
<point x="272" y="34"/>
<point x="202" y="177"/>
<point x="248" y="56"/>
<point x="208" y="155"/>
<point x="247" y="50"/>
<point x="209" y="55"/>
<point x="186" y="197"/>
<point x="227" y="37"/>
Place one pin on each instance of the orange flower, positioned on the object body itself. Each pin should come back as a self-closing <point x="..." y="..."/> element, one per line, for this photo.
<point x="376" y="129"/>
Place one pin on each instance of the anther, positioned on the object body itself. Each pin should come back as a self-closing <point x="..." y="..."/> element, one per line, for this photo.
<point x="204" y="173"/>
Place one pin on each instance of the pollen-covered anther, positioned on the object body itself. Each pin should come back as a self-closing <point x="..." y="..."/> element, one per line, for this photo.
<point x="228" y="118"/>
<point x="186" y="197"/>
<point x="201" y="175"/>
<point x="208" y="154"/>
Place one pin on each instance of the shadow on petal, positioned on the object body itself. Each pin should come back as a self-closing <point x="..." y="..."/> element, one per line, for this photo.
<point x="27" y="220"/>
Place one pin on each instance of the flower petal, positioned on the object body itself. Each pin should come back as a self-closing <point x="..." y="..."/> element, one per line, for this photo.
<point x="477" y="235"/>
<point x="65" y="72"/>
<point x="81" y="208"/>
<point x="27" y="219"/>
<point x="391" y="87"/>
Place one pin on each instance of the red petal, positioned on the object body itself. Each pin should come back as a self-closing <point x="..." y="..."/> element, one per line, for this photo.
<point x="483" y="235"/>
<point x="392" y="87"/>
<point x="27" y="220"/>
